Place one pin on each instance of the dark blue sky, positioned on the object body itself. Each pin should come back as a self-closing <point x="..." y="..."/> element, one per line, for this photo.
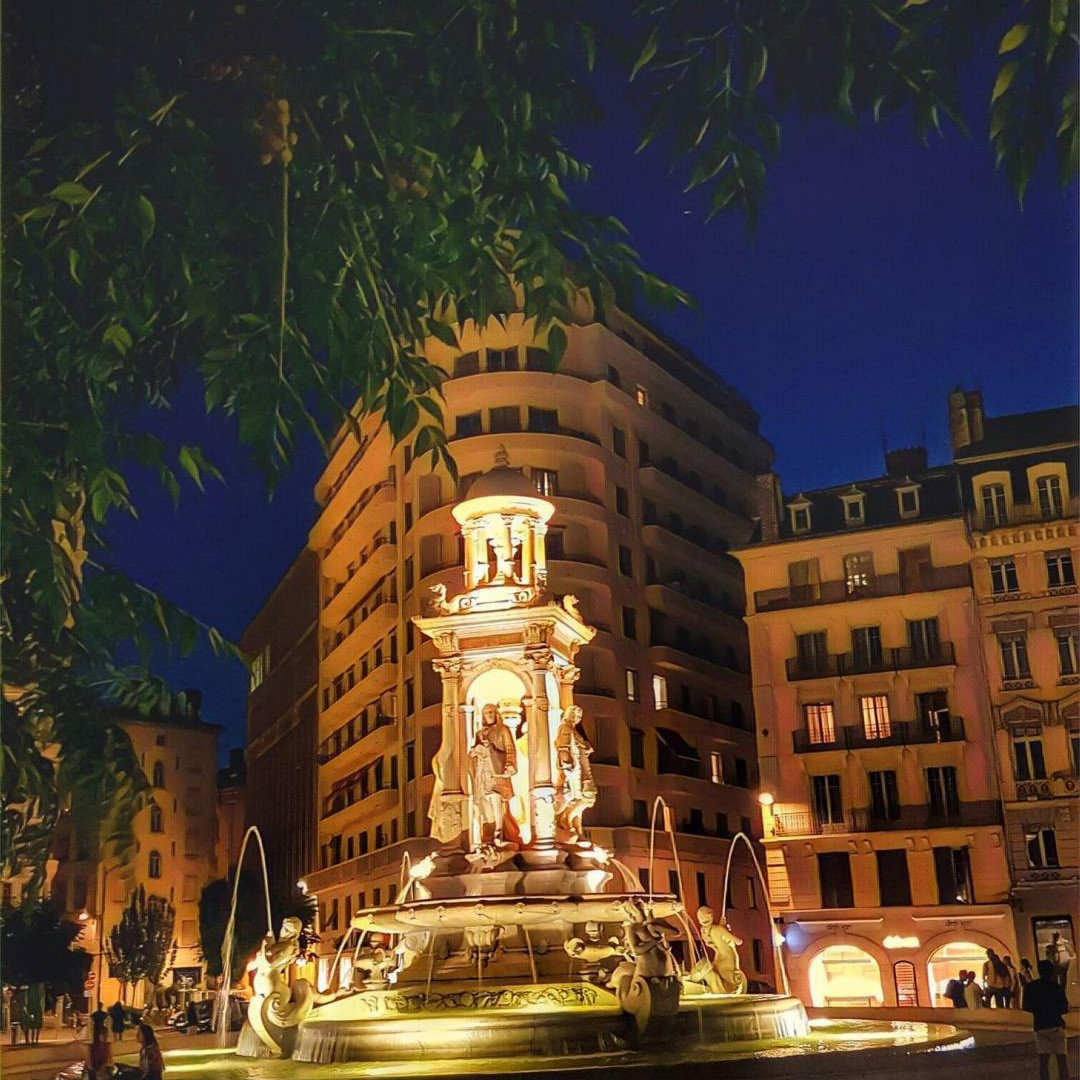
<point x="883" y="273"/>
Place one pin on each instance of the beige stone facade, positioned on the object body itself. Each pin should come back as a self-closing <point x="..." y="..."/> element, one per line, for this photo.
<point x="175" y="851"/>
<point x="649" y="460"/>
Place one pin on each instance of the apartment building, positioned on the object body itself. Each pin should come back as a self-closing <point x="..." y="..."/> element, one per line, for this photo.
<point x="175" y="849"/>
<point x="1019" y="479"/>
<point x="649" y="459"/>
<point x="883" y="829"/>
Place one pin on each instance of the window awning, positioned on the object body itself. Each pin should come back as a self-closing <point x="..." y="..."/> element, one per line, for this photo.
<point x="677" y="744"/>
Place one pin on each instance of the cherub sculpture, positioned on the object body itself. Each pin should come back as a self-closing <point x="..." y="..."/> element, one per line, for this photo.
<point x="721" y="973"/>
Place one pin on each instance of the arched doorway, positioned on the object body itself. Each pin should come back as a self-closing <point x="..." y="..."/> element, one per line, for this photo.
<point x="947" y="962"/>
<point x="842" y="975"/>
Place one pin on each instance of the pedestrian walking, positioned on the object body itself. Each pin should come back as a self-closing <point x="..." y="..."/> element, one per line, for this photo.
<point x="116" y="1015"/>
<point x="1045" y="1000"/>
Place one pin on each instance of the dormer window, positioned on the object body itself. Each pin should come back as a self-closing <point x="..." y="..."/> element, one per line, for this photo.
<point x="854" y="508"/>
<point x="907" y="498"/>
<point x="800" y="516"/>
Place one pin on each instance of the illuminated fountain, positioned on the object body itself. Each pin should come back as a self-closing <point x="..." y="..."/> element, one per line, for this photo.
<point x="516" y="936"/>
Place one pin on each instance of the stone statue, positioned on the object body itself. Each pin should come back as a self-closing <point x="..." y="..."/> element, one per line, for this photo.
<point x="721" y="974"/>
<point x="372" y="967"/>
<point x="649" y="986"/>
<point x="570" y="606"/>
<point x="492" y="763"/>
<point x="599" y="959"/>
<point x="275" y="1005"/>
<point x="575" y="789"/>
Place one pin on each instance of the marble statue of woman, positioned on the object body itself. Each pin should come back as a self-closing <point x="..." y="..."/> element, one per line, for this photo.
<point x="575" y="790"/>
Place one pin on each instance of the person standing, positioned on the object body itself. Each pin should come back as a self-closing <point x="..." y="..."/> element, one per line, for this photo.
<point x="1045" y="1000"/>
<point x="35" y="1012"/>
<point x="116" y="1015"/>
<point x="1012" y="995"/>
<point x="99" y="1062"/>
<point x="973" y="993"/>
<point x="996" y="979"/>
<point x="954" y="990"/>
<point x="151" y="1063"/>
<point x="99" y="1020"/>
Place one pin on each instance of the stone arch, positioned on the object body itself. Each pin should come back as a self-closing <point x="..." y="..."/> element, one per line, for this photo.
<point x="958" y="935"/>
<point x="886" y="994"/>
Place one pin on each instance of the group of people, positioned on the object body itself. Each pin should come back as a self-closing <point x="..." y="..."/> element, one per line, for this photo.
<point x="26" y="1013"/>
<point x="1001" y="985"/>
<point x="99" y="1054"/>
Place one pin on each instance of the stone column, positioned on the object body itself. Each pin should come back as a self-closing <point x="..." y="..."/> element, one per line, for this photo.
<point x="540" y="553"/>
<point x="568" y="675"/>
<point x="449" y="811"/>
<point x="541" y="786"/>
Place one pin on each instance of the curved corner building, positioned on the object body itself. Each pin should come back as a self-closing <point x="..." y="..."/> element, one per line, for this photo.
<point x="649" y="459"/>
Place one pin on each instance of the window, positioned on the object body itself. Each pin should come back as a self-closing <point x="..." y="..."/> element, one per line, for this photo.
<point x="696" y="822"/>
<point x="618" y="441"/>
<point x="751" y="892"/>
<point x="469" y="364"/>
<point x="410" y="571"/>
<point x="811" y="651"/>
<point x="746" y="827"/>
<point x="834" y="870"/>
<point x="757" y="947"/>
<point x="908" y="501"/>
<point x="1059" y="569"/>
<point x="543" y="419"/>
<point x="668" y="412"/>
<point x="716" y="766"/>
<point x="410" y="761"/>
<point x="504" y="418"/>
<point x="702" y="891"/>
<point x="1068" y="645"/>
<point x="1014" y="657"/>
<point x="468" y="424"/>
<point x="994" y="507"/>
<point x="884" y="796"/>
<point x="659" y="691"/>
<point x="641" y="820"/>
<point x="1048" y="494"/>
<point x="854" y="509"/>
<point x="633" y="686"/>
<point x="157" y="819"/>
<point x="502" y="359"/>
<point x="673" y="883"/>
<point x="642" y="453"/>
<point x="410" y="692"/>
<point x="924" y="639"/>
<point x="159" y="774"/>
<point x="866" y="647"/>
<point x="859" y="574"/>
<point x="546" y="481"/>
<point x="943" y="793"/>
<point x="641" y="396"/>
<point x="1042" y="849"/>
<point x="637" y="748"/>
<point x="800" y="518"/>
<point x="828" y="807"/>
<point x="626" y="561"/>
<point x="622" y="501"/>
<point x="721" y="825"/>
<point x="804" y="581"/>
<point x="79" y="890"/>
<point x="154" y="865"/>
<point x="1074" y="747"/>
<point x="613" y="375"/>
<point x="1003" y="576"/>
<point x="916" y="569"/>
<point x="894" y="882"/>
<point x="555" y="545"/>
<point x="629" y="622"/>
<point x="260" y="668"/>
<point x="820" y="722"/>
<point x="932" y="709"/>
<point x="1029" y="762"/>
<point x="537" y="359"/>
<point x="952" y="867"/>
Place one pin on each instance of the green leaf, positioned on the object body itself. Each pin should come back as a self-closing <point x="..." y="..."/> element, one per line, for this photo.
<point x="147" y="218"/>
<point x="648" y="51"/>
<point x="118" y="337"/>
<point x="187" y="462"/>
<point x="588" y="40"/>
<point x="556" y="345"/>
<point x="73" y="265"/>
<point x="478" y="159"/>
<point x="1014" y="38"/>
<point x="443" y="333"/>
<point x="71" y="193"/>
<point x="1004" y="80"/>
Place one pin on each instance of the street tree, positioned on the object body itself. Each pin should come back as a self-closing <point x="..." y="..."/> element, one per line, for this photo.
<point x="138" y="946"/>
<point x="285" y="201"/>
<point x="39" y="946"/>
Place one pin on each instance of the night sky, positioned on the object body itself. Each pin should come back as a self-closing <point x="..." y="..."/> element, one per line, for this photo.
<point x="882" y="275"/>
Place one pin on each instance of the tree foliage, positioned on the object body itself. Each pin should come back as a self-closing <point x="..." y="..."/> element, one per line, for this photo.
<point x="285" y="201"/>
<point x="250" y="926"/>
<point x="138" y="946"/>
<point x="40" y="946"/>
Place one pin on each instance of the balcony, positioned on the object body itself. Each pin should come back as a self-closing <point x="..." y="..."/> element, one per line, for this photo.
<point x="839" y="592"/>
<point x="1054" y="787"/>
<point x="1027" y="514"/>
<point x="359" y="792"/>
<point x="836" y="665"/>
<point x="1048" y="875"/>
<point x="923" y="816"/>
<point x="382" y="551"/>
<point x="901" y="733"/>
<point x="349" y="735"/>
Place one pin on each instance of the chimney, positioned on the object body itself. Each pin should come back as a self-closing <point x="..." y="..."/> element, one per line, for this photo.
<point x="974" y="403"/>
<point x="907" y="461"/>
<point x="192" y="704"/>
<point x="959" y="429"/>
<point x="769" y="506"/>
<point x="236" y="759"/>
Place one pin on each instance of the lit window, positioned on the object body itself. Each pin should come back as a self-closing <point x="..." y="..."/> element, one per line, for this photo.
<point x="546" y="481"/>
<point x="908" y="499"/>
<point x="633" y="691"/>
<point x="260" y="667"/>
<point x="1059" y="569"/>
<point x="1014" y="657"/>
<point x="820" y="722"/>
<point x="1068" y="645"/>
<point x="1003" y="576"/>
<point x="659" y="690"/>
<point x="154" y="865"/>
<point x="716" y="767"/>
<point x="1042" y="849"/>
<point x="1029" y="762"/>
<point x="994" y="507"/>
<point x="1048" y="493"/>
<point x="859" y="573"/>
<point x="875" y="716"/>
<point x="641" y="396"/>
